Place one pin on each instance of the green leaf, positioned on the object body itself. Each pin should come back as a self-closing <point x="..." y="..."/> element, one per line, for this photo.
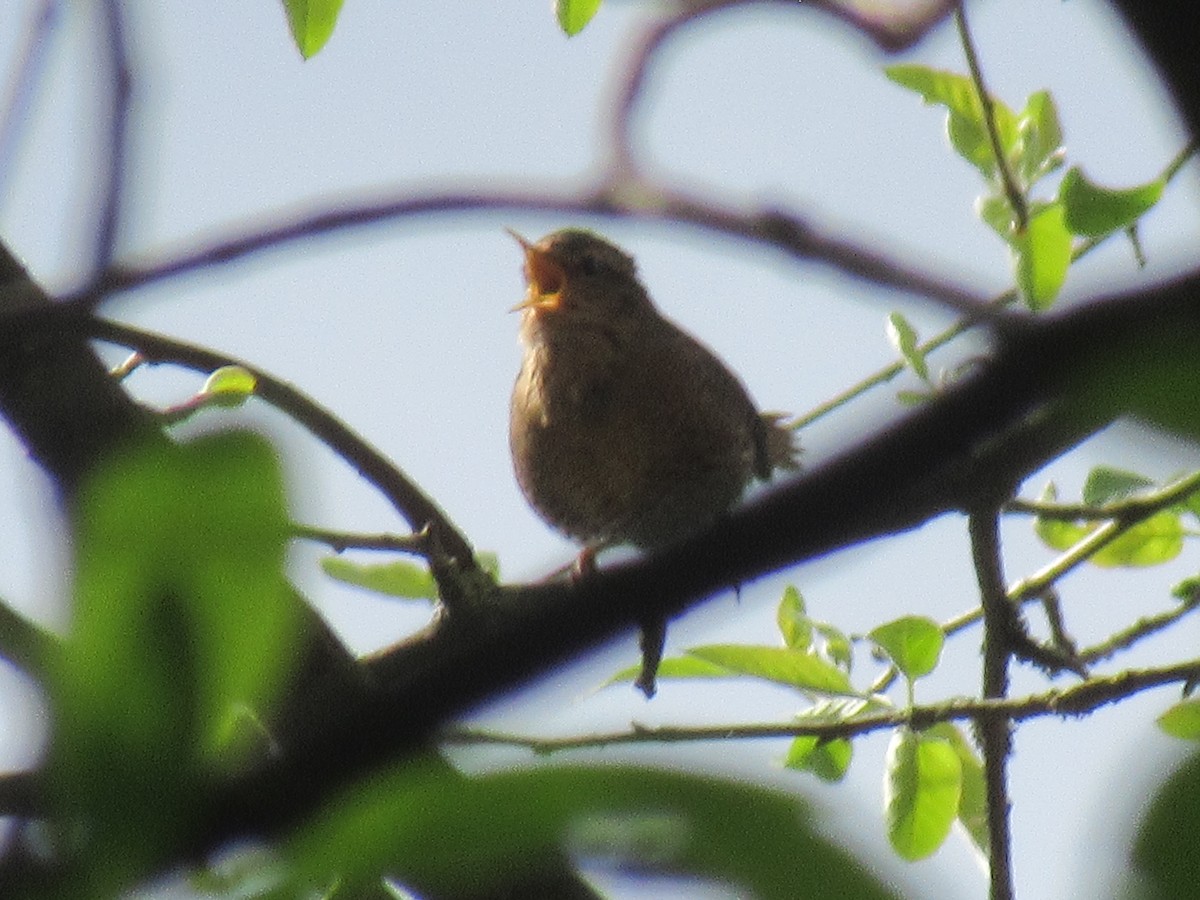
<point x="828" y="760"/>
<point x="972" y="803"/>
<point x="574" y="15"/>
<point x="903" y="337"/>
<point x="1043" y="256"/>
<point x="793" y="621"/>
<point x="780" y="665"/>
<point x="997" y="213"/>
<point x="922" y="787"/>
<point x="1040" y="138"/>
<point x="1094" y="211"/>
<point x="229" y="386"/>
<point x="676" y="667"/>
<point x="965" y="124"/>
<point x="312" y="23"/>
<point x="1058" y="534"/>
<point x="1106" y="485"/>
<point x="914" y="644"/>
<point x="394" y="579"/>
<point x="1157" y="540"/>
<point x="458" y="836"/>
<point x="1182" y="720"/>
<point x="181" y="616"/>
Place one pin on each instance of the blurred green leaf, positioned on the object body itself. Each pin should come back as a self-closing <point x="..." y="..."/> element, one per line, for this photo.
<point x="181" y="616"/>
<point x="1165" y="863"/>
<point x="1187" y="590"/>
<point x="312" y="23"/>
<point x="574" y="15"/>
<point x="456" y="836"/>
<point x="1094" y="211"/>
<point x="965" y="125"/>
<point x="1182" y="720"/>
<point x="780" y="665"/>
<point x="922" y="787"/>
<point x="996" y="212"/>
<point x="1040" y="139"/>
<point x="1043" y="256"/>
<point x="914" y="644"/>
<point x="828" y="760"/>
<point x="393" y="579"/>
<point x="1106" y="485"/>
<point x="903" y="337"/>
<point x="1156" y="540"/>
<point x="972" y="803"/>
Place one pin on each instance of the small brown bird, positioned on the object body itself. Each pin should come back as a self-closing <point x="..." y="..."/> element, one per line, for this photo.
<point x="623" y="428"/>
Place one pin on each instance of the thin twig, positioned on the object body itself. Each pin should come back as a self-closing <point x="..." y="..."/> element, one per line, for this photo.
<point x="1077" y="700"/>
<point x="1142" y="628"/>
<point x="345" y="540"/>
<point x="995" y="735"/>
<point x="1012" y="190"/>
<point x="25" y="79"/>
<point x="112" y="156"/>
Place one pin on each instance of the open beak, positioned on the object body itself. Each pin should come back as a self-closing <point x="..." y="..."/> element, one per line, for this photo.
<point x="544" y="276"/>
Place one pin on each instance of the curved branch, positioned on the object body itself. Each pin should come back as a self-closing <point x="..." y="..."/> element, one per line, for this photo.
<point x="787" y="232"/>
<point x="417" y="508"/>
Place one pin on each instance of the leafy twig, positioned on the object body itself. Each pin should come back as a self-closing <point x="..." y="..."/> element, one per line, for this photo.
<point x="1012" y="190"/>
<point x="1079" y="699"/>
<point x="410" y="501"/>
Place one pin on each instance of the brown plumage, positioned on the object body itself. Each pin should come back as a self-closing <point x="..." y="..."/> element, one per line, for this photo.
<point x="623" y="428"/>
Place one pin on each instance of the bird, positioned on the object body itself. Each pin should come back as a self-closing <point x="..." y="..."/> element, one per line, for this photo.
<point x="623" y="428"/>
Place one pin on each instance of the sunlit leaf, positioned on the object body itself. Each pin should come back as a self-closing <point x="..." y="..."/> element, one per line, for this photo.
<point x="312" y="23"/>
<point x="395" y="579"/>
<point x="828" y="760"/>
<point x="1043" y="256"/>
<point x="676" y="667"/>
<point x="793" y="621"/>
<point x="780" y="665"/>
<point x="965" y="124"/>
<point x="903" y="337"/>
<point x="1040" y="149"/>
<point x="229" y="386"/>
<point x="1182" y="720"/>
<point x="914" y="644"/>
<point x="1094" y="211"/>
<point x="574" y="15"/>
<point x="972" y="804"/>
<point x="922" y="786"/>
